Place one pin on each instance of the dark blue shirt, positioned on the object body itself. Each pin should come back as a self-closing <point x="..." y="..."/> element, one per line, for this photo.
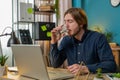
<point x="93" y="50"/>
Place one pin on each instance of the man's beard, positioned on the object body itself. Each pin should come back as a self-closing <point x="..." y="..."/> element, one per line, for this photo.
<point x="76" y="32"/>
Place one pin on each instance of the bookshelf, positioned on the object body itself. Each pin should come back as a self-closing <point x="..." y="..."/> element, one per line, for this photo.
<point x="26" y="13"/>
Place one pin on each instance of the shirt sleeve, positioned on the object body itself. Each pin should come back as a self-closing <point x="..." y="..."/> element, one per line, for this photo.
<point x="57" y="56"/>
<point x="106" y="63"/>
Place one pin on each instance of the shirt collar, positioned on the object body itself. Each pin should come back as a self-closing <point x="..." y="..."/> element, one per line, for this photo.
<point x="83" y="37"/>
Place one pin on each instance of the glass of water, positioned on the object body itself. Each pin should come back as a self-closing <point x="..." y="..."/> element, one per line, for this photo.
<point x="64" y="29"/>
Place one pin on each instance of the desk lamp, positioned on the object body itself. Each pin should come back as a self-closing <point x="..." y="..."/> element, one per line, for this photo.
<point x="12" y="40"/>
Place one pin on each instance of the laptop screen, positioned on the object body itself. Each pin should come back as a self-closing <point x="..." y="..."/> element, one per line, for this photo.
<point x="29" y="61"/>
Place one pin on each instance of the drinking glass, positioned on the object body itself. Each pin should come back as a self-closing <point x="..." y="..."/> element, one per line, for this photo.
<point x="64" y="29"/>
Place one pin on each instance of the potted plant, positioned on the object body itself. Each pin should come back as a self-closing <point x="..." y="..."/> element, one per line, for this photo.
<point x="99" y="75"/>
<point x="116" y="76"/>
<point x="108" y="34"/>
<point x="56" y="9"/>
<point x="3" y="67"/>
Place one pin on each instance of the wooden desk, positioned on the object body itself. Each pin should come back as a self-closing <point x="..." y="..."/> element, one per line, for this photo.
<point x="116" y="54"/>
<point x="52" y="73"/>
<point x="91" y="77"/>
<point x="15" y="76"/>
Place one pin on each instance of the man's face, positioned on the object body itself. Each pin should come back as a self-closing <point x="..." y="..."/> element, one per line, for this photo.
<point x="72" y="25"/>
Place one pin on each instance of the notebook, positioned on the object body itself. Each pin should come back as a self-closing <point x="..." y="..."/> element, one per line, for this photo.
<point x="30" y="63"/>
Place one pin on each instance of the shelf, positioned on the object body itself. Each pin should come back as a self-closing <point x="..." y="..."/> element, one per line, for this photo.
<point x="45" y="12"/>
<point x="23" y="22"/>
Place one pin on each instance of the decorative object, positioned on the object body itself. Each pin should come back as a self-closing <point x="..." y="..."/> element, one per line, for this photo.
<point x="3" y="67"/>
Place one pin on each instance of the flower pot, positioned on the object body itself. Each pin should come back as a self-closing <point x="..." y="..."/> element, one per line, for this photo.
<point x="3" y="70"/>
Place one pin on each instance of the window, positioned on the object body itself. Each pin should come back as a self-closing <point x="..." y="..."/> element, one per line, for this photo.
<point x="5" y="21"/>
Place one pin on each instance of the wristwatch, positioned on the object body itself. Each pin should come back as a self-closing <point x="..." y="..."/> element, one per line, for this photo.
<point x="115" y="2"/>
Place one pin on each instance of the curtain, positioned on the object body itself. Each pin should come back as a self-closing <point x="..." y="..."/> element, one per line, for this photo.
<point x="63" y="6"/>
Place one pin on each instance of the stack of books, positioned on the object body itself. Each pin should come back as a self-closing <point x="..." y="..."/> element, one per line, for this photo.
<point x="46" y="8"/>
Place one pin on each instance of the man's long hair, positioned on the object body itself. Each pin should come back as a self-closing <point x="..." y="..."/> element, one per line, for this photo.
<point x="79" y="16"/>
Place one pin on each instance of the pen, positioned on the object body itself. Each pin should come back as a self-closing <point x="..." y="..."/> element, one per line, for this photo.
<point x="79" y="72"/>
<point x="77" y="77"/>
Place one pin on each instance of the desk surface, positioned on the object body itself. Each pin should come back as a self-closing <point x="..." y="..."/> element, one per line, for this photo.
<point x="14" y="76"/>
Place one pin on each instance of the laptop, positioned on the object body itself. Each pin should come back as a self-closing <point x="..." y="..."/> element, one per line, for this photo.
<point x="30" y="63"/>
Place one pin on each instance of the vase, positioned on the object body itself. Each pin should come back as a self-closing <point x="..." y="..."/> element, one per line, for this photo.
<point x="2" y="68"/>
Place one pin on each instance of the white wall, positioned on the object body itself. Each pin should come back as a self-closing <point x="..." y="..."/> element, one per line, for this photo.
<point x="6" y="20"/>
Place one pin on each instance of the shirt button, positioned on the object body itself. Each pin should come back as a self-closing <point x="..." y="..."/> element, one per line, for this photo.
<point x="78" y="52"/>
<point x="79" y="62"/>
<point x="79" y="44"/>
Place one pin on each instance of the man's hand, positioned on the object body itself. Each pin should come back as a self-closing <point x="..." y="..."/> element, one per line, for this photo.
<point x="55" y="34"/>
<point x="76" y="67"/>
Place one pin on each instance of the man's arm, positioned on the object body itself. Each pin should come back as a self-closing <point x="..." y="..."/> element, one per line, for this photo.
<point x="107" y="62"/>
<point x="57" y="57"/>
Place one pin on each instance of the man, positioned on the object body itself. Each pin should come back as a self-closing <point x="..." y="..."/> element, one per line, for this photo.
<point x="80" y="45"/>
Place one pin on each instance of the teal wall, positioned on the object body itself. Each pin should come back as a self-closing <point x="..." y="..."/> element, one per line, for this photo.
<point x="76" y="3"/>
<point x="101" y="13"/>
